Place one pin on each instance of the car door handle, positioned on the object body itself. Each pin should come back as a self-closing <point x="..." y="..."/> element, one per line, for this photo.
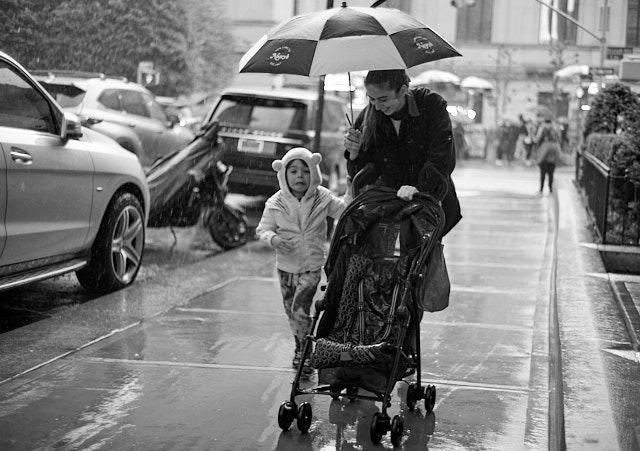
<point x="21" y="156"/>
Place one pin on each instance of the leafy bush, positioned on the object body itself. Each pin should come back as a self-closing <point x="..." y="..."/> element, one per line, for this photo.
<point x="612" y="135"/>
<point x="604" y="146"/>
<point x="615" y="109"/>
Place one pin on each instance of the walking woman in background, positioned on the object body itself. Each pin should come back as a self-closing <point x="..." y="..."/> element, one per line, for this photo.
<point x="547" y="141"/>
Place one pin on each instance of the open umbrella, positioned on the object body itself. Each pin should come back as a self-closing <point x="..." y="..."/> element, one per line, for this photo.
<point x="544" y="111"/>
<point x="346" y="39"/>
<point x="435" y="76"/>
<point x="571" y="71"/>
<point x="473" y="82"/>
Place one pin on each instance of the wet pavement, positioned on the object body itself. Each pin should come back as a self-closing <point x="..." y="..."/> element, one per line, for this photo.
<point x="199" y="358"/>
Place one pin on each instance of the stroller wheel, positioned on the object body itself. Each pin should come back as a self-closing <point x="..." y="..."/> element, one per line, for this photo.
<point x="304" y="417"/>
<point x="379" y="427"/>
<point x="430" y="398"/>
<point x="397" y="429"/>
<point x="413" y="395"/>
<point x="286" y="415"/>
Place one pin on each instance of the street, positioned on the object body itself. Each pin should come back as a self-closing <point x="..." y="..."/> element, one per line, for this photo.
<point x="197" y="356"/>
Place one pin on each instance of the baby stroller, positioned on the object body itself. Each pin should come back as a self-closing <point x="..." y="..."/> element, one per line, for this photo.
<point x="365" y="334"/>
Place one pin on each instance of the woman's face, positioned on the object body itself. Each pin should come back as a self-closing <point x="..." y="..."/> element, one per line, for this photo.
<point x="385" y="99"/>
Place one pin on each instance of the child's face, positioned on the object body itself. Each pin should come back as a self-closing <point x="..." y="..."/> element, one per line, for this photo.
<point x="298" y="177"/>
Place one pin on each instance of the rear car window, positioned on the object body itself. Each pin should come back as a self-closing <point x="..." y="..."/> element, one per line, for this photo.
<point x="274" y="115"/>
<point x="67" y="95"/>
<point x="333" y="118"/>
<point x="133" y="103"/>
<point x="109" y="98"/>
<point x="155" y="110"/>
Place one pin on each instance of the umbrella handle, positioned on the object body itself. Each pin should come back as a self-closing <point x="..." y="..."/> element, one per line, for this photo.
<point x="350" y="96"/>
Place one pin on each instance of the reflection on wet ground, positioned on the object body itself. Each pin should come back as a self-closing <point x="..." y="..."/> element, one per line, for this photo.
<point x="164" y="249"/>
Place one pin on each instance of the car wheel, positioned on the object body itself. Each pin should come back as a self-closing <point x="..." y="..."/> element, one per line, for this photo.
<point x="116" y="255"/>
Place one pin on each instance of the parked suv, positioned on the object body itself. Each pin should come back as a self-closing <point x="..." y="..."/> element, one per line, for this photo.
<point x="120" y="109"/>
<point x="71" y="200"/>
<point x="261" y="125"/>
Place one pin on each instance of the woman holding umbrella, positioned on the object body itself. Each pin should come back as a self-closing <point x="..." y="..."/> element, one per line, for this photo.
<point x="407" y="135"/>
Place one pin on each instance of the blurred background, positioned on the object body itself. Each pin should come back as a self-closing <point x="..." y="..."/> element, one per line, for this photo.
<point x="517" y="54"/>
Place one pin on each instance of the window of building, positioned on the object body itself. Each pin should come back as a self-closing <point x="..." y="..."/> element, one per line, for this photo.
<point x="474" y="21"/>
<point x="556" y="28"/>
<point x="633" y="23"/>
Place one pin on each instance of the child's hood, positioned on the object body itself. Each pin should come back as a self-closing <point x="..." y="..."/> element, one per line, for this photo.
<point x="311" y="159"/>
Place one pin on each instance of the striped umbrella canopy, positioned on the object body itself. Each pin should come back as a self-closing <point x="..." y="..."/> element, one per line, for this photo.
<point x="346" y="39"/>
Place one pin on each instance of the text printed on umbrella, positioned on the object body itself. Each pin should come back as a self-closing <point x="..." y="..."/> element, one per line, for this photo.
<point x="424" y="44"/>
<point x="279" y="55"/>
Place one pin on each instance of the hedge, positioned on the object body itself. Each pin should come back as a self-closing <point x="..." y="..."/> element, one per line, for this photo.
<point x="612" y="135"/>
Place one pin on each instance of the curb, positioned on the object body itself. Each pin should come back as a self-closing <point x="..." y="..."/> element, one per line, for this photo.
<point x="628" y="310"/>
<point x="557" y="437"/>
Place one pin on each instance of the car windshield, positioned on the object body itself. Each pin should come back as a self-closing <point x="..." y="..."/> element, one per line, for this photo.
<point x="280" y="116"/>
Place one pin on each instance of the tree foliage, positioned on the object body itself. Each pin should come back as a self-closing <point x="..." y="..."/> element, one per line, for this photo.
<point x="189" y="42"/>
<point x="613" y="110"/>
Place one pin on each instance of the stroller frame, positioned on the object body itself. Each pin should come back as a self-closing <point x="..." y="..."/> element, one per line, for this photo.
<point x="381" y="422"/>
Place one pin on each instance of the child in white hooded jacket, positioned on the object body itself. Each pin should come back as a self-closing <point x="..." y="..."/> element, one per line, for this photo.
<point x="294" y="223"/>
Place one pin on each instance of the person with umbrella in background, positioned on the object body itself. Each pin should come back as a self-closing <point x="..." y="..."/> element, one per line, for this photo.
<point x="407" y="135"/>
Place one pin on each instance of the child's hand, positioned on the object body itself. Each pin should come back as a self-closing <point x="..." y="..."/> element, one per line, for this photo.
<point x="282" y="245"/>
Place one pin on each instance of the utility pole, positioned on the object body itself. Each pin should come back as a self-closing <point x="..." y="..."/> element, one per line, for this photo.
<point x="320" y="107"/>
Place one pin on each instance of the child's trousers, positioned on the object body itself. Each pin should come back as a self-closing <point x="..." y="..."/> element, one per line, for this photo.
<point x="298" y="291"/>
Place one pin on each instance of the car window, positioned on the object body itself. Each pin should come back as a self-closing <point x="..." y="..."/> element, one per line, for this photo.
<point x="133" y="103"/>
<point x="110" y="99"/>
<point x="154" y="109"/>
<point x="21" y="105"/>
<point x="333" y="118"/>
<point x="273" y="115"/>
<point x="66" y="95"/>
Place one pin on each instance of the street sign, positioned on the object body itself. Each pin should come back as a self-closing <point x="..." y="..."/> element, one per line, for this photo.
<point x="616" y="53"/>
<point x="147" y="76"/>
<point x="601" y="71"/>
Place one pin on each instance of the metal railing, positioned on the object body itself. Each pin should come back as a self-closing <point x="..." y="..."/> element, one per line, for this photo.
<point x="613" y="201"/>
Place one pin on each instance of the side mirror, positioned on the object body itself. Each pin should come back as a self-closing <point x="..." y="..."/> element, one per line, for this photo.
<point x="70" y="127"/>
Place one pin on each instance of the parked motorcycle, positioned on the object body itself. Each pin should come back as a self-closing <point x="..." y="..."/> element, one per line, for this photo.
<point x="190" y="185"/>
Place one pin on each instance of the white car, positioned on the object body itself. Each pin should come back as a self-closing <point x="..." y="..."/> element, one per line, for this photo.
<point x="120" y="109"/>
<point x="74" y="199"/>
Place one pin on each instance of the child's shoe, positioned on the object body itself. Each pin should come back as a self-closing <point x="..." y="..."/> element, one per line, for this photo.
<point x="307" y="369"/>
<point x="297" y="357"/>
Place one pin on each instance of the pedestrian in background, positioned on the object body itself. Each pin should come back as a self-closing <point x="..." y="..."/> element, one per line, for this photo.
<point x="460" y="142"/>
<point x="294" y="223"/>
<point x="547" y="154"/>
<point x="525" y="134"/>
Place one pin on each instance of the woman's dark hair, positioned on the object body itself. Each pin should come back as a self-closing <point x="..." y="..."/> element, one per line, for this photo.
<point x="393" y="79"/>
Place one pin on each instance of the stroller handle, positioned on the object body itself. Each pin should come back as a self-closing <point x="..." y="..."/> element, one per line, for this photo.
<point x="358" y="180"/>
<point x="361" y="176"/>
